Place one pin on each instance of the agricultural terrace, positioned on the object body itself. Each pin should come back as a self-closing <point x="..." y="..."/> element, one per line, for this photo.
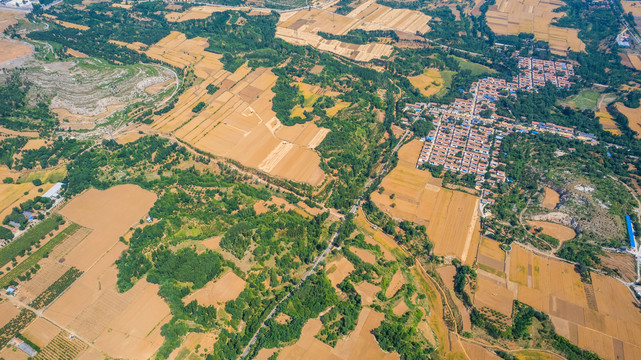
<point x="534" y="17"/>
<point x="314" y="27"/>
<point x="450" y="216"/>
<point x="238" y="121"/>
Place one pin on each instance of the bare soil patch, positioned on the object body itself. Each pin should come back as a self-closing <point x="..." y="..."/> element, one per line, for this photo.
<point x="218" y="292"/>
<point x="557" y="231"/>
<point x="41" y="332"/>
<point x="7" y="312"/>
<point x="550" y="199"/>
<point x="338" y="269"/>
<point x="12" y="49"/>
<point x="359" y="344"/>
<point x="364" y="255"/>
<point x="367" y="292"/>
<point x="395" y="284"/>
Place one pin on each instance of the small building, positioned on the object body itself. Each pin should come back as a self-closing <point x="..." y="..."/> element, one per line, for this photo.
<point x="628" y="222"/>
<point x="11" y="290"/>
<point x="54" y="192"/>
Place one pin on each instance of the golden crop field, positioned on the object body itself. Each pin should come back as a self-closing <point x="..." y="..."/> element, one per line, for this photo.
<point x="429" y="82"/>
<point x="509" y="17"/>
<point x="238" y="121"/>
<point x="557" y="231"/>
<point x="450" y="216"/>
<point x="634" y="118"/>
<point x="302" y="27"/>
<point x="122" y="325"/>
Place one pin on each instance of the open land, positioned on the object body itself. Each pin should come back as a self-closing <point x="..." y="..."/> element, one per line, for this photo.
<point x="123" y="325"/>
<point x="218" y="292"/>
<point x="551" y="199"/>
<point x="450" y="216"/>
<point x="607" y="122"/>
<point x="634" y="117"/>
<point x="359" y="344"/>
<point x="534" y="17"/>
<point x="429" y="82"/>
<point x="238" y="121"/>
<point x="12" y="49"/>
<point x="11" y="195"/>
<point x="557" y="231"/>
<point x="302" y="27"/>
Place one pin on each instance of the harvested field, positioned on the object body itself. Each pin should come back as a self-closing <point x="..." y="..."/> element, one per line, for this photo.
<point x="338" y="269"/>
<point x="634" y="117"/>
<point x="359" y="344"/>
<point x="400" y="308"/>
<point x="218" y="292"/>
<point x="364" y="255"/>
<point x="120" y="207"/>
<point x="11" y="195"/>
<point x="633" y="7"/>
<point x="602" y="317"/>
<point x="238" y="121"/>
<point x="367" y="292"/>
<point x="557" y="231"/>
<point x="33" y="144"/>
<point x="8" y="18"/>
<point x="451" y="217"/>
<point x="41" y="332"/>
<point x="536" y="355"/>
<point x="12" y="49"/>
<point x="429" y="82"/>
<point x="534" y="17"/>
<point x="7" y="312"/>
<point x="623" y="263"/>
<point x="395" y="284"/>
<point x="198" y="12"/>
<point x="635" y="61"/>
<point x="494" y="295"/>
<point x="491" y="257"/>
<point x="477" y="352"/>
<point x="551" y="199"/>
<point x="302" y="27"/>
<point x="607" y="122"/>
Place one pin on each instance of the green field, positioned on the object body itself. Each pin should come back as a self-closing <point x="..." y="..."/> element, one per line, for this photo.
<point x="476" y="69"/>
<point x="36" y="256"/>
<point x="585" y="100"/>
<point x="28" y="239"/>
<point x="447" y="76"/>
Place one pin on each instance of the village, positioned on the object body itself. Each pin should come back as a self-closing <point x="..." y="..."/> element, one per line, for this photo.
<point x="467" y="134"/>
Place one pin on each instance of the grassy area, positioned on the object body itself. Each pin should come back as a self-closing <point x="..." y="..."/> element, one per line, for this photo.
<point x="32" y="236"/>
<point x="46" y="176"/>
<point x="585" y="100"/>
<point x="36" y="256"/>
<point x="447" y="76"/>
<point x="476" y="69"/>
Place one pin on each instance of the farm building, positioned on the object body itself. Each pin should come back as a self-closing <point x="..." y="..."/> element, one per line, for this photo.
<point x="54" y="192"/>
<point x="630" y="231"/>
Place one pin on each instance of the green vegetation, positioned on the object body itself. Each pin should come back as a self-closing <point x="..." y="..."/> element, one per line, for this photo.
<point x="57" y="288"/>
<point x="32" y="260"/>
<point x="17" y="113"/>
<point x="30" y="238"/>
<point x="361" y="37"/>
<point x="585" y="100"/>
<point x="15" y="325"/>
<point x="198" y="108"/>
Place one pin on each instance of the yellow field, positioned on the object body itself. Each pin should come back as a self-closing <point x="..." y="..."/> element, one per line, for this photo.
<point x="302" y="27"/>
<point x="557" y="231"/>
<point x="338" y="269"/>
<point x="66" y="24"/>
<point x="122" y="325"/>
<point x="359" y="344"/>
<point x="11" y="195"/>
<point x="200" y="12"/>
<point x="634" y="118"/>
<point x="12" y="49"/>
<point x="551" y="199"/>
<point x="633" y="7"/>
<point x="429" y="82"/>
<point x="238" y="121"/>
<point x="218" y="292"/>
<point x="608" y="123"/>
<point x="450" y="216"/>
<point x="601" y="317"/>
<point x="534" y="16"/>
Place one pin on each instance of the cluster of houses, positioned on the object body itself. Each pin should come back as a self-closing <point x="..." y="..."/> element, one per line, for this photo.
<point x="53" y="193"/>
<point x="466" y="142"/>
<point x="537" y="72"/>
